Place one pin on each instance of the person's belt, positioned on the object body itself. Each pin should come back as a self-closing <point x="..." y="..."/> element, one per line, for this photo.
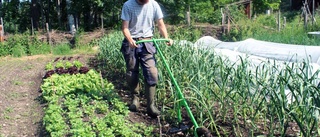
<point x="142" y="38"/>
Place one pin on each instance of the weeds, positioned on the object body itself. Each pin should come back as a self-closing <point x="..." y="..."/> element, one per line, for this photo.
<point x="265" y="28"/>
<point x="63" y="49"/>
<point x="20" y="45"/>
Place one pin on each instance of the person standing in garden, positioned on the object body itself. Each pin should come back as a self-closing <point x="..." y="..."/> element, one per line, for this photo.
<point x="138" y="18"/>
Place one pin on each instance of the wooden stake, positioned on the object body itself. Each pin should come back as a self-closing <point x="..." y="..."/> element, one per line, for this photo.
<point x="32" y="27"/>
<point x="49" y="36"/>
<point x="101" y="20"/>
<point x="279" y="21"/>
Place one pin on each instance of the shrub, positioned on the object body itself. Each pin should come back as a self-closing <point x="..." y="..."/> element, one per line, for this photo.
<point x="4" y="49"/>
<point x="42" y="48"/>
<point x="62" y="49"/>
<point x="18" y="51"/>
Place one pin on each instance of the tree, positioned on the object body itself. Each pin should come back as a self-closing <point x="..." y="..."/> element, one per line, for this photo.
<point x="35" y="13"/>
<point x="260" y="6"/>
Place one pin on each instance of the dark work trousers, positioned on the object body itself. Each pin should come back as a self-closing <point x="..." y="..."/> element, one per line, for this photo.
<point x="145" y="58"/>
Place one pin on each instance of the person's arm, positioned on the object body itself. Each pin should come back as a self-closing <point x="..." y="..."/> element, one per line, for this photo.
<point x="127" y="35"/>
<point x="163" y="30"/>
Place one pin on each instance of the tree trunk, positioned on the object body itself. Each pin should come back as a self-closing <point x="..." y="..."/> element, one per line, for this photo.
<point x="48" y="13"/>
<point x="1" y="14"/>
<point x="42" y="14"/>
<point x="59" y="12"/>
<point x="87" y="17"/>
<point x="35" y="17"/>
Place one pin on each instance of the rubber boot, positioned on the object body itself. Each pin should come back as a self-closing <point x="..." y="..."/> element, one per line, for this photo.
<point x="134" y="89"/>
<point x="150" y="94"/>
<point x="135" y="104"/>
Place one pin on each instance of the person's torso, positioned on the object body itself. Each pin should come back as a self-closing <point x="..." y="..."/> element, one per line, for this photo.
<point x="142" y="17"/>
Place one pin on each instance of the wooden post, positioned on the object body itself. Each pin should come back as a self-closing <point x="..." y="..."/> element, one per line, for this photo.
<point x="32" y="27"/>
<point x="279" y="21"/>
<point x="305" y="11"/>
<point x="1" y="34"/>
<point x="49" y="36"/>
<point x="188" y="18"/>
<point x="228" y="25"/>
<point x="2" y="26"/>
<point x="313" y="6"/>
<point x="305" y="19"/>
<point x="77" y="22"/>
<point x="284" y="22"/>
<point x="101" y="16"/>
<point x="222" y="20"/>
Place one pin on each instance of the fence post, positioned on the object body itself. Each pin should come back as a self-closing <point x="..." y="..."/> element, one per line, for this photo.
<point x="1" y="34"/>
<point x="32" y="27"/>
<point x="101" y="21"/>
<point x="188" y="18"/>
<point x="229" y="27"/>
<point x="305" y="12"/>
<point x="279" y="21"/>
<point x="313" y="12"/>
<point x="2" y="30"/>
<point x="222" y="20"/>
<point x="49" y="36"/>
<point x="284" y="22"/>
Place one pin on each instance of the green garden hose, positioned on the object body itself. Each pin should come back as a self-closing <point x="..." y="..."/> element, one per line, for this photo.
<point x="182" y="101"/>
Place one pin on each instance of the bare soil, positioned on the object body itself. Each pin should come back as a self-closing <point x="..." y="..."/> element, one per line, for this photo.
<point x="21" y="109"/>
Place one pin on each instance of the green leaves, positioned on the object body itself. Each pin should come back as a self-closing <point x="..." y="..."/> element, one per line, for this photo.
<point x="85" y="105"/>
<point x="269" y="98"/>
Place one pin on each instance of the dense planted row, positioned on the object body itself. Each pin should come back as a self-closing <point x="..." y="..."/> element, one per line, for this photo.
<point x="233" y="98"/>
<point x="65" y="67"/>
<point x="82" y="103"/>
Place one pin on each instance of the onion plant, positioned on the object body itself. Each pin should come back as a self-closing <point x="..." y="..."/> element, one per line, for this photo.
<point x="233" y="98"/>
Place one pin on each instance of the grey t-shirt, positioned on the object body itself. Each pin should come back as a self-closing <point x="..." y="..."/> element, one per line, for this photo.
<point x="141" y="17"/>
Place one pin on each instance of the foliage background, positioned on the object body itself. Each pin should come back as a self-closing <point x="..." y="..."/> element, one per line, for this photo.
<point x="91" y="14"/>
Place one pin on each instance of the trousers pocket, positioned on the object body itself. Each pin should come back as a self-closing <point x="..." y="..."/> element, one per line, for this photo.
<point x="150" y="47"/>
<point x="125" y="48"/>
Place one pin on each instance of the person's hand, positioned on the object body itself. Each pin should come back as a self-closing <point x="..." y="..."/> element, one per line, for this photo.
<point x="170" y="42"/>
<point x="133" y="44"/>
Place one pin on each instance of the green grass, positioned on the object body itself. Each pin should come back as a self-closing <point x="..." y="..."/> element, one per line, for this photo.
<point x="6" y="113"/>
<point x="86" y="49"/>
<point x="17" y="82"/>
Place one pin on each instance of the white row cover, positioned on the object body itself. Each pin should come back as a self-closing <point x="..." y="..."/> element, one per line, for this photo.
<point x="258" y="52"/>
<point x="269" y="50"/>
<point x="261" y="52"/>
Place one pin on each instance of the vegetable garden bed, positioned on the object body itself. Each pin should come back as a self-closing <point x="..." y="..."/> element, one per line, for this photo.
<point x="232" y="99"/>
<point x="81" y="103"/>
